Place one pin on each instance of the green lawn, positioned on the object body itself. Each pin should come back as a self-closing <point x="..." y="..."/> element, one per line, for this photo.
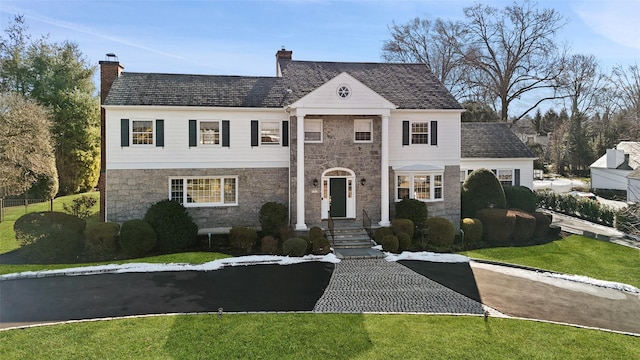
<point x="575" y="254"/>
<point x="314" y="336"/>
<point x="7" y="235"/>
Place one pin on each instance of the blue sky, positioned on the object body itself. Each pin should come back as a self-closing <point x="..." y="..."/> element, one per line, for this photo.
<point x="241" y="37"/>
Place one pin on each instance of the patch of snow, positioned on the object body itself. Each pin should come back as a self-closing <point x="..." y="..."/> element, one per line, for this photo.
<point x="427" y="256"/>
<point x="377" y="247"/>
<point x="596" y="282"/>
<point x="149" y="267"/>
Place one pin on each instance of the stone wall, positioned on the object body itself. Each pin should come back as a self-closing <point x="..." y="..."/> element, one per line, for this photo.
<point x="131" y="192"/>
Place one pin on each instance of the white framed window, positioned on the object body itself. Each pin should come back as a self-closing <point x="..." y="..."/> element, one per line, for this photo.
<point x="313" y="130"/>
<point x="204" y="191"/>
<point x="142" y="132"/>
<point x="269" y="132"/>
<point x="419" y="186"/>
<point x="362" y="130"/>
<point x="505" y="176"/>
<point x="209" y="132"/>
<point x="420" y="132"/>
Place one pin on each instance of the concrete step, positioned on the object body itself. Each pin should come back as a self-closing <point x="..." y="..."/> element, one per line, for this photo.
<point x="350" y="239"/>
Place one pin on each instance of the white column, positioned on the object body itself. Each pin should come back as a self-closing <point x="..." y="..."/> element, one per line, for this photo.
<point x="300" y="183"/>
<point x="384" y="173"/>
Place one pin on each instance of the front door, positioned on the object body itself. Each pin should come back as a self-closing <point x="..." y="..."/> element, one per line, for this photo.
<point x="338" y="193"/>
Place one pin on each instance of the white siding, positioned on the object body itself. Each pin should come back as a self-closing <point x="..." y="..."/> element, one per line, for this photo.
<point x="525" y="166"/>
<point x="447" y="152"/>
<point x="609" y="178"/>
<point x="176" y="152"/>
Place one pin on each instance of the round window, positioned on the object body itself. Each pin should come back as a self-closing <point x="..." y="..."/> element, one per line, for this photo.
<point x="343" y="91"/>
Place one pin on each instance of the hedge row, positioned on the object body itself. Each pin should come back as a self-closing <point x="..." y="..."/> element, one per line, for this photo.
<point x="582" y="208"/>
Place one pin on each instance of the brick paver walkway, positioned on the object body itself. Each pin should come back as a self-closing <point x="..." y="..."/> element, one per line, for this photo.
<point x="376" y="285"/>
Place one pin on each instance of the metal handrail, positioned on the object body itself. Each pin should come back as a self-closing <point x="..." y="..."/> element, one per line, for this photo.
<point x="366" y="222"/>
<point x="330" y="226"/>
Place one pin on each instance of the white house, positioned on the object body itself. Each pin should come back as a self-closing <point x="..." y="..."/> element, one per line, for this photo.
<point x="612" y="169"/>
<point x="325" y="138"/>
<point x="496" y="147"/>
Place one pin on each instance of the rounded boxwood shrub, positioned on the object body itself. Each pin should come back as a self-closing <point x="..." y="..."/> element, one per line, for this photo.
<point x="269" y="245"/>
<point x="294" y="247"/>
<point x="137" y="238"/>
<point x="543" y="222"/>
<point x="440" y="231"/>
<point x="403" y="226"/>
<point x="380" y="233"/>
<point x="520" y="197"/>
<point x="390" y="243"/>
<point x="472" y="228"/>
<point x="315" y="232"/>
<point x="174" y="227"/>
<point x="481" y="190"/>
<point x="497" y="225"/>
<point x="404" y="241"/>
<point x="50" y="236"/>
<point x="273" y="216"/>
<point x="414" y="210"/>
<point x="321" y="246"/>
<point x="524" y="227"/>
<point x="101" y="239"/>
<point x="243" y="238"/>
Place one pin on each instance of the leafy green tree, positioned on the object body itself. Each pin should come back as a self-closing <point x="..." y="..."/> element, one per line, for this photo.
<point x="579" y="154"/>
<point x="26" y="150"/>
<point x="60" y="78"/>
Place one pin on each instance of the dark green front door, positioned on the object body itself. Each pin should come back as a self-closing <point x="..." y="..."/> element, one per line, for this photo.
<point x="338" y="193"/>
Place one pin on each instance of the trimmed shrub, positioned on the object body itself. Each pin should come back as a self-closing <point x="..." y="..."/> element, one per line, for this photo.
<point x="50" y="236"/>
<point x="441" y="231"/>
<point x="80" y="207"/>
<point x="481" y="190"/>
<point x="524" y="227"/>
<point x="269" y="245"/>
<point x="175" y="230"/>
<point x="101" y="239"/>
<point x="472" y="228"/>
<point x="294" y="247"/>
<point x="497" y="225"/>
<point x="414" y="210"/>
<point x="390" y="243"/>
<point x="520" y="197"/>
<point x="137" y="238"/>
<point x="405" y="226"/>
<point x="273" y="216"/>
<point x="243" y="238"/>
<point x="321" y="246"/>
<point x="286" y="232"/>
<point x="315" y="232"/>
<point x="380" y="233"/>
<point x="542" y="225"/>
<point x="404" y="241"/>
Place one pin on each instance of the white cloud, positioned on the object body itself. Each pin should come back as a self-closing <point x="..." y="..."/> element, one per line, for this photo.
<point x="613" y="19"/>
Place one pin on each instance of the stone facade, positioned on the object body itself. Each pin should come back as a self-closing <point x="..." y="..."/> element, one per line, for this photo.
<point x="338" y="150"/>
<point x="132" y="192"/>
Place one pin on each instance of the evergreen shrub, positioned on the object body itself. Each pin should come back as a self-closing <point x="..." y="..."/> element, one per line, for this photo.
<point x="414" y="210"/>
<point x="543" y="222"/>
<point x="273" y="216"/>
<point x="390" y="243"/>
<point x="50" y="236"/>
<point x="294" y="247"/>
<point x="137" y="238"/>
<point x="440" y="231"/>
<point x="269" y="245"/>
<point x="497" y="225"/>
<point x="380" y="233"/>
<point x="481" y="190"/>
<point x="101" y="239"/>
<point x="174" y="227"/>
<point x="243" y="238"/>
<point x="524" y="227"/>
<point x="404" y="242"/>
<point x="403" y="226"/>
<point x="520" y="197"/>
<point x="472" y="228"/>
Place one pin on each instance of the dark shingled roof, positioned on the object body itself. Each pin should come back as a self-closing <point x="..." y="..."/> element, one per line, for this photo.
<point x="408" y="86"/>
<point x="491" y="140"/>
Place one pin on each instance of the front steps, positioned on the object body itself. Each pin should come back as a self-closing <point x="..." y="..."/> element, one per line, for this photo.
<point x="353" y="243"/>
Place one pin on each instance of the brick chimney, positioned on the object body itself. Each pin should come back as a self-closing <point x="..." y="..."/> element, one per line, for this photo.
<point x="282" y="54"/>
<point x="110" y="69"/>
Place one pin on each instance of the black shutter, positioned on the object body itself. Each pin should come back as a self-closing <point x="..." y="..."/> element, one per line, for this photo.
<point x="285" y="133"/>
<point x="124" y="132"/>
<point x="516" y="177"/>
<point x="159" y="132"/>
<point x="405" y="133"/>
<point x="254" y="133"/>
<point x="225" y="133"/>
<point x="434" y="133"/>
<point x="193" y="133"/>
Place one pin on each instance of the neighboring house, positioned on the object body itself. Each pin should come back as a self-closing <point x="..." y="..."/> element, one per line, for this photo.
<point x="611" y="171"/>
<point x="325" y="138"/>
<point x="496" y="147"/>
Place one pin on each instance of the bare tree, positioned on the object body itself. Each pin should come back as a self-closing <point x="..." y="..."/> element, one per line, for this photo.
<point x="26" y="148"/>
<point x="627" y="84"/>
<point x="582" y="83"/>
<point x="512" y="52"/>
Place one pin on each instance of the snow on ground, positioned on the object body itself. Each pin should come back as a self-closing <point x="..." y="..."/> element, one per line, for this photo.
<point x="596" y="282"/>
<point x="427" y="256"/>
